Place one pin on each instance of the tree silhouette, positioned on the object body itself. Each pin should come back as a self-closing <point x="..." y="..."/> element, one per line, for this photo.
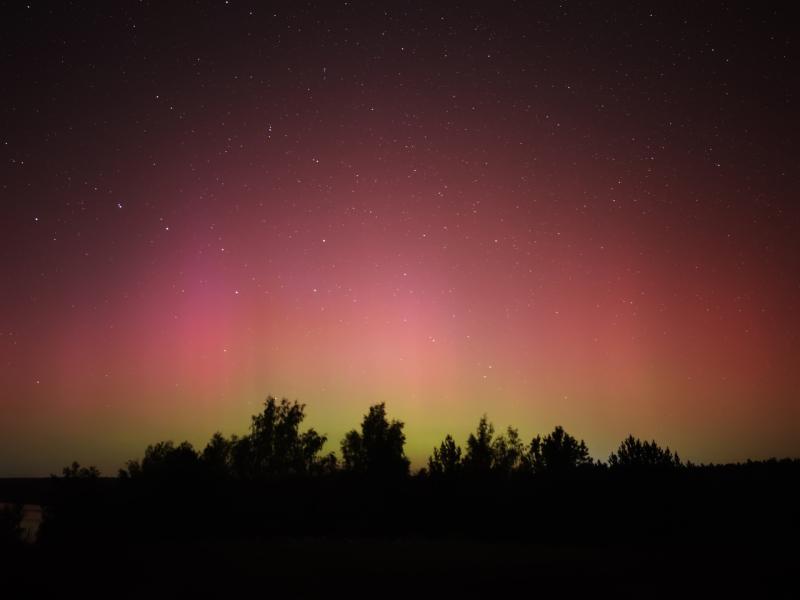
<point x="76" y="471"/>
<point x="241" y="457"/>
<point x="634" y="453"/>
<point x="352" y="451"/>
<point x="217" y="455"/>
<point x="479" y="457"/>
<point x="556" y="452"/>
<point x="278" y="484"/>
<point x="377" y="450"/>
<point x="507" y="452"/>
<point x="327" y="465"/>
<point x="277" y="447"/>
<point x="446" y="459"/>
<point x="486" y="453"/>
<point x="165" y="460"/>
<point x="132" y="470"/>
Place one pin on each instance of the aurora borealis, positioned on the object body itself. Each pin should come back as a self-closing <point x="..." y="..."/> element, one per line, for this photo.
<point x="563" y="213"/>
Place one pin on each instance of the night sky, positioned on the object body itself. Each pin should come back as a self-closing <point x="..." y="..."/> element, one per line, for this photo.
<point x="571" y="213"/>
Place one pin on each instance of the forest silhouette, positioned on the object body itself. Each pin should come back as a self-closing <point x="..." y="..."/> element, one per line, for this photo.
<point x="276" y="484"/>
<point x="276" y="449"/>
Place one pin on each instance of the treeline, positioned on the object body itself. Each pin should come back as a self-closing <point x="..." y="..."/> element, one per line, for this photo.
<point x="276" y="447"/>
<point x="276" y="505"/>
<point x="277" y="481"/>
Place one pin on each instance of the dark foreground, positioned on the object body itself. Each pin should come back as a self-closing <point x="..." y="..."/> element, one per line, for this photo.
<point x="400" y="568"/>
<point x="710" y="532"/>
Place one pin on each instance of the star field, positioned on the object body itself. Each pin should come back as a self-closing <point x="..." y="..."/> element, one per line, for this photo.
<point x="565" y="213"/>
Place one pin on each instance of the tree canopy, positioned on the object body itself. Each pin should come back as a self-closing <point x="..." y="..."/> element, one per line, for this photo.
<point x="76" y="471"/>
<point x="506" y="454"/>
<point x="377" y="450"/>
<point x="479" y="457"/>
<point x="635" y="453"/>
<point x="276" y="446"/>
<point x="446" y="459"/>
<point x="557" y="452"/>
